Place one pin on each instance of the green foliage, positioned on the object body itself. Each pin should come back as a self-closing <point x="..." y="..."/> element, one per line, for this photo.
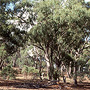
<point x="8" y="72"/>
<point x="32" y="70"/>
<point x="61" y="27"/>
<point x="12" y="37"/>
<point x="27" y="70"/>
<point x="25" y="59"/>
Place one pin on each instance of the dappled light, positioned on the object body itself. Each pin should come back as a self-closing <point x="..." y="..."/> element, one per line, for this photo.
<point x="44" y="45"/>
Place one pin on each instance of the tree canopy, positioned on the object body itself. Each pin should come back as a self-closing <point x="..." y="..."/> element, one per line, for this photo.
<point x="59" y="28"/>
<point x="10" y="35"/>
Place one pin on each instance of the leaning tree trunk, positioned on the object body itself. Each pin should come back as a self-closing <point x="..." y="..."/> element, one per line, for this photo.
<point x="1" y="64"/>
<point x="2" y="58"/>
<point x="2" y="61"/>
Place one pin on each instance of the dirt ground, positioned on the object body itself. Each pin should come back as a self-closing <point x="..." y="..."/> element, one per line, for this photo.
<point x="28" y="83"/>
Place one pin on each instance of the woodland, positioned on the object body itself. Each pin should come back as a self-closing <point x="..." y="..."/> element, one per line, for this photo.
<point x="44" y="44"/>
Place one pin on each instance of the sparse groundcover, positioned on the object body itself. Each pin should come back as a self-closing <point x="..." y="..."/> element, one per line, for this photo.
<point x="8" y="73"/>
<point x="26" y="71"/>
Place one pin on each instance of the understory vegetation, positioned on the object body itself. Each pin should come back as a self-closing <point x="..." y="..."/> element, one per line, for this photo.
<point x="46" y="39"/>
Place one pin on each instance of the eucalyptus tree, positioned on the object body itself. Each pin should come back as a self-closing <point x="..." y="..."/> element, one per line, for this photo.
<point x="43" y="34"/>
<point x="74" y="31"/>
<point x="60" y="30"/>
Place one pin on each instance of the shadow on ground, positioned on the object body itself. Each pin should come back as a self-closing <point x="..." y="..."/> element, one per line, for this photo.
<point x="82" y="86"/>
<point x="27" y="84"/>
<point x="45" y="84"/>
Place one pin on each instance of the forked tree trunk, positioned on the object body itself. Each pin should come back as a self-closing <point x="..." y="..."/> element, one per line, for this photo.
<point x="2" y="61"/>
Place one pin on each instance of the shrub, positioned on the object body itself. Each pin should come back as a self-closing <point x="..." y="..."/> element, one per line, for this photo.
<point x="29" y="70"/>
<point x="8" y="73"/>
<point x="25" y="69"/>
<point x="32" y="70"/>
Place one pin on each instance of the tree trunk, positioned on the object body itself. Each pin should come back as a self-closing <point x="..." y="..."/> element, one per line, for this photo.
<point x="16" y="57"/>
<point x="14" y="63"/>
<point x="1" y="65"/>
<point x="40" y="69"/>
<point x="36" y="65"/>
<point x="48" y="64"/>
<point x="50" y="67"/>
<point x="64" y="79"/>
<point x="63" y="73"/>
<point x="51" y="71"/>
<point x="75" y="74"/>
<point x="75" y="81"/>
<point x="69" y="70"/>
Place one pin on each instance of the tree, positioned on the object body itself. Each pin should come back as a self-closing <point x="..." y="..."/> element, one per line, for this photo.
<point x="11" y="37"/>
<point x="41" y="34"/>
<point x="60" y="29"/>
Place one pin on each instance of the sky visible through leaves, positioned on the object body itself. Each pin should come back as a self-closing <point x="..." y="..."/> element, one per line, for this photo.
<point x="87" y="1"/>
<point x="11" y="5"/>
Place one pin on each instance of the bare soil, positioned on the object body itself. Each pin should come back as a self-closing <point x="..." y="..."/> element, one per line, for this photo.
<point x="28" y="83"/>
